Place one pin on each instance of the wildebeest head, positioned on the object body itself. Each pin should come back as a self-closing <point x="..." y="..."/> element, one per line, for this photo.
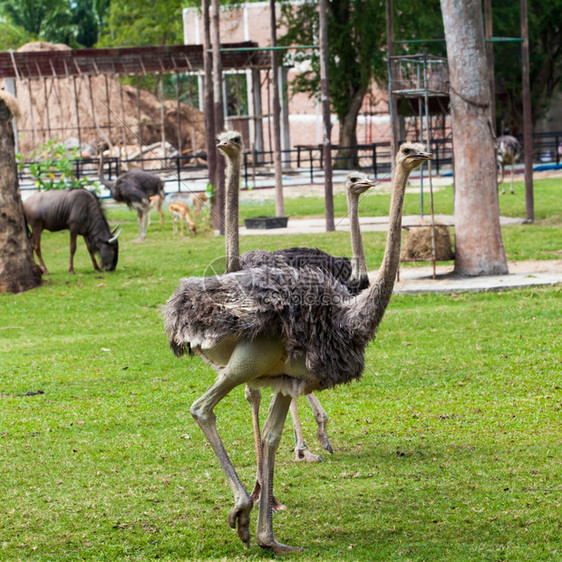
<point x="109" y="250"/>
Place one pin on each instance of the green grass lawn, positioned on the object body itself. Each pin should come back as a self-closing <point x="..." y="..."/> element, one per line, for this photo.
<point x="449" y="448"/>
<point x="376" y="203"/>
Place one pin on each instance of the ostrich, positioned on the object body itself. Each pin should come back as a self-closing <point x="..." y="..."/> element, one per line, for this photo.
<point x="292" y="330"/>
<point x="135" y="188"/>
<point x="354" y="276"/>
<point x="508" y="152"/>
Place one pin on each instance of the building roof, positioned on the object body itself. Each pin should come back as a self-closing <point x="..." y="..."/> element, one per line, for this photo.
<point x="126" y="60"/>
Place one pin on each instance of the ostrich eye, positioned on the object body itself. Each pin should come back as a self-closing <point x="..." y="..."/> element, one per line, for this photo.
<point x="407" y="151"/>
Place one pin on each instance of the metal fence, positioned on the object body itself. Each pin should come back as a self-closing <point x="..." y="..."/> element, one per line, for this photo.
<point x="307" y="160"/>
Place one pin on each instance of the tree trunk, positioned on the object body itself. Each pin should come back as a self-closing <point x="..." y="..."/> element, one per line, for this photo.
<point x="478" y="240"/>
<point x="18" y="271"/>
<point x="346" y="157"/>
<point x="210" y="130"/>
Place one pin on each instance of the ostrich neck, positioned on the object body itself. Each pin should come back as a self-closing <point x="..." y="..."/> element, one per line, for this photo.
<point x="358" y="260"/>
<point x="109" y="184"/>
<point x="231" y="211"/>
<point x="371" y="303"/>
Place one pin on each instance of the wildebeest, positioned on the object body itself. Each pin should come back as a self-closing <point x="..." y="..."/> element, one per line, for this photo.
<point x="134" y="188"/>
<point x="79" y="211"/>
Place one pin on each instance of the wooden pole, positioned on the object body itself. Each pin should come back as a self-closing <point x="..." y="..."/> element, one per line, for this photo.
<point x="527" y="117"/>
<point x="276" y="116"/>
<point x="391" y="100"/>
<point x="218" y="106"/>
<point x="209" y="109"/>
<point x="327" y="125"/>
<point x="489" y="32"/>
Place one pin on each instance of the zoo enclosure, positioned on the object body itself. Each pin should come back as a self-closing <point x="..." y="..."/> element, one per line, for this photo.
<point x="373" y="158"/>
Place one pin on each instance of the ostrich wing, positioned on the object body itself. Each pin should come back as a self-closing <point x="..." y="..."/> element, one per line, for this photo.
<point x="305" y="307"/>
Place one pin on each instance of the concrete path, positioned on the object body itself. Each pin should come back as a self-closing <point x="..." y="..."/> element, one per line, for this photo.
<point x="368" y="224"/>
<point x="522" y="274"/>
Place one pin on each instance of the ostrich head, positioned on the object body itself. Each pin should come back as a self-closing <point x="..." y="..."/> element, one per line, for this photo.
<point x="357" y="183"/>
<point x="412" y="155"/>
<point x="230" y="143"/>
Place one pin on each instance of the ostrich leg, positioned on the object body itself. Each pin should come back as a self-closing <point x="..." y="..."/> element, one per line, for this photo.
<point x="248" y="361"/>
<point x="301" y="449"/>
<point x="271" y="437"/>
<point x="321" y="418"/>
<point x="253" y="396"/>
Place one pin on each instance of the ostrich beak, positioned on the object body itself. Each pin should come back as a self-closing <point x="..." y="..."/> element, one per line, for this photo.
<point x="422" y="156"/>
<point x="366" y="184"/>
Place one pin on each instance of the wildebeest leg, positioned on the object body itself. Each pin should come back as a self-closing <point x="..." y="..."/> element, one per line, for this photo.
<point x="36" y="241"/>
<point x="92" y="252"/>
<point x="73" y="236"/>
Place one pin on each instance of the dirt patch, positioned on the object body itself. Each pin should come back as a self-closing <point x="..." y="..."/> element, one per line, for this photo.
<point x="105" y="110"/>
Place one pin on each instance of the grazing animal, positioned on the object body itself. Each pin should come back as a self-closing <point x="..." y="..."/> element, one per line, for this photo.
<point x="508" y="151"/>
<point x="180" y="211"/>
<point x="156" y="203"/>
<point x="79" y="211"/>
<point x="292" y="330"/>
<point x="134" y="187"/>
<point x="199" y="201"/>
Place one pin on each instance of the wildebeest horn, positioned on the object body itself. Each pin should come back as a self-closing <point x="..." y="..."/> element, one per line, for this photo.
<point x="113" y="239"/>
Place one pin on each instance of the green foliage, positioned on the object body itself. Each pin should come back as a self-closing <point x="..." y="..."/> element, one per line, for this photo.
<point x="143" y="22"/>
<point x="73" y="22"/>
<point x="52" y="166"/>
<point x="447" y="449"/>
<point x="545" y="59"/>
<point x="13" y="36"/>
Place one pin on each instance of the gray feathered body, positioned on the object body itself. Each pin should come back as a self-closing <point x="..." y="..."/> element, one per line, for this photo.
<point x="314" y="315"/>
<point x="299" y="257"/>
<point x="135" y="187"/>
<point x="508" y="150"/>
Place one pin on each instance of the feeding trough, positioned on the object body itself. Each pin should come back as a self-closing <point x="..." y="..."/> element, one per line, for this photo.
<point x="420" y="247"/>
<point x="266" y="222"/>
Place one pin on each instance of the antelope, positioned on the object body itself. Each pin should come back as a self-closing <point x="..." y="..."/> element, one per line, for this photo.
<point x="156" y="204"/>
<point x="199" y="201"/>
<point x="180" y="211"/>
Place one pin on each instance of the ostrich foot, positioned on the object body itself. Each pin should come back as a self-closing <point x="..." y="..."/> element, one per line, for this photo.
<point x="239" y="517"/>
<point x="305" y="455"/>
<point x="322" y="436"/>
<point x="276" y="505"/>
<point x="277" y="547"/>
